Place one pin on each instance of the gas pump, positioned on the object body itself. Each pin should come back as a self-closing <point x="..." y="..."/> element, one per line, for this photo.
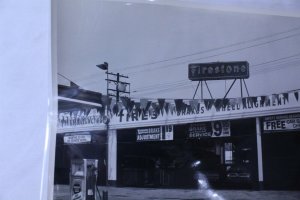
<point x="83" y="179"/>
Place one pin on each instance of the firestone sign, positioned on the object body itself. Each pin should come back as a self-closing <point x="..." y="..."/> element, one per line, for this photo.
<point x="218" y="71"/>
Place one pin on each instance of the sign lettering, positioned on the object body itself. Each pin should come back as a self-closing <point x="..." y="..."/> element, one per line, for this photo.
<point x="218" y="71"/>
<point x="282" y="123"/>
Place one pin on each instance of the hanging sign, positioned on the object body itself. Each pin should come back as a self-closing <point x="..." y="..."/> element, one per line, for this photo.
<point x="156" y="133"/>
<point x="207" y="129"/>
<point x="218" y="71"/>
<point x="77" y="139"/>
<point x="282" y="123"/>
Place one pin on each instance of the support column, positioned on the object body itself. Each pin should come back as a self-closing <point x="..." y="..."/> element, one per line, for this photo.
<point x="259" y="154"/>
<point x="112" y="157"/>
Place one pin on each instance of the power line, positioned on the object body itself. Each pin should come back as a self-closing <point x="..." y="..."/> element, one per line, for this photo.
<point x="202" y="52"/>
<point x="183" y="81"/>
<point x="212" y="49"/>
<point x="184" y="85"/>
<point x="219" y="54"/>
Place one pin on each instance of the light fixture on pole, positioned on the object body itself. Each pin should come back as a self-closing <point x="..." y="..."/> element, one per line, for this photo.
<point x="104" y="66"/>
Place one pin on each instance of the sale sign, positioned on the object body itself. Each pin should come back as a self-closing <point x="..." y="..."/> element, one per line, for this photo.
<point x="282" y="123"/>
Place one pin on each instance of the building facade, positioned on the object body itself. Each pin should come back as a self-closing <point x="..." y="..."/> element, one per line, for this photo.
<point x="246" y="142"/>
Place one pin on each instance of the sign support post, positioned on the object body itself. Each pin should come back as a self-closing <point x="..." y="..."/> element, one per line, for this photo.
<point x="259" y="154"/>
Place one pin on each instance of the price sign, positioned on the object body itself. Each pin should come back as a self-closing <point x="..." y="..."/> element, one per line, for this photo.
<point x="167" y="132"/>
<point x="220" y="129"/>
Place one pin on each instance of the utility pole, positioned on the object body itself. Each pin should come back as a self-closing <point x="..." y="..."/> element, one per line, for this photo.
<point x="120" y="85"/>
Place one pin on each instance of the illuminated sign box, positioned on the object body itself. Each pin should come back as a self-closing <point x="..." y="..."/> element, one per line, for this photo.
<point x="218" y="71"/>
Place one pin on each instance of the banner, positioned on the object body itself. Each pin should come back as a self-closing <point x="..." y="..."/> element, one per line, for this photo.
<point x="145" y="112"/>
<point x="282" y="123"/>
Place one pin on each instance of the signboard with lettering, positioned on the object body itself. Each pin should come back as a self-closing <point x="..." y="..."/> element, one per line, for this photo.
<point x="282" y="123"/>
<point x="77" y="139"/>
<point x="156" y="133"/>
<point x="207" y="129"/>
<point x="218" y="71"/>
<point x="135" y="113"/>
<point x="220" y="128"/>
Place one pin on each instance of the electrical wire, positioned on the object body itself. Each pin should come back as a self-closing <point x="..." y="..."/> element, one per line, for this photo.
<point x="212" y="49"/>
<point x="202" y="52"/>
<point x="173" y="84"/>
<point x="215" y="55"/>
<point x="255" y="72"/>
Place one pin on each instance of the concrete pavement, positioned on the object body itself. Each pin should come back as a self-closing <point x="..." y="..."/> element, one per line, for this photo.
<point x="61" y="192"/>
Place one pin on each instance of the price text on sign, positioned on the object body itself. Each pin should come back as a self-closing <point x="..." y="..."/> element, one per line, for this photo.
<point x="206" y="129"/>
<point x="220" y="128"/>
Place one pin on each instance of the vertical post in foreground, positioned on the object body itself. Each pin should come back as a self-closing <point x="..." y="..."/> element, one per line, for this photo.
<point x="112" y="157"/>
<point x="259" y="154"/>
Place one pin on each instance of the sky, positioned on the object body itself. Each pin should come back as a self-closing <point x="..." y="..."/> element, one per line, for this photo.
<point x="153" y="44"/>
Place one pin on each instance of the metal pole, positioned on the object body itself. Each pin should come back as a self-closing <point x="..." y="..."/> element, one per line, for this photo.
<point x="246" y="87"/>
<point x="107" y="126"/>
<point x="196" y="90"/>
<point x="118" y="80"/>
<point x="259" y="154"/>
<point x="229" y="88"/>
<point x="241" y="87"/>
<point x="208" y="90"/>
<point x="201" y="90"/>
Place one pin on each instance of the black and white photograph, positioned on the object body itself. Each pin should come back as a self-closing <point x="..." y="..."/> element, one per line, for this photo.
<point x="176" y="100"/>
<point x="150" y="99"/>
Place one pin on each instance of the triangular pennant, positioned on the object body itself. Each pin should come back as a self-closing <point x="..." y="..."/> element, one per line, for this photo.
<point x="262" y="100"/>
<point x="244" y="101"/>
<point x="296" y="93"/>
<point x="232" y="102"/>
<point x="137" y="105"/>
<point x="161" y="103"/>
<point x="239" y="100"/>
<point x="286" y="96"/>
<point x="184" y="108"/>
<point x="120" y="106"/>
<point x="147" y="106"/>
<point x="125" y="101"/>
<point x="218" y="104"/>
<point x="250" y="101"/>
<point x="178" y="104"/>
<point x="167" y="105"/>
<point x="112" y="104"/>
<point x="190" y="110"/>
<point x="104" y="100"/>
<point x="130" y="104"/>
<point x="143" y="103"/>
<point x="155" y="107"/>
<point x="226" y="102"/>
<point x="172" y="108"/>
<point x="109" y="102"/>
<point x="208" y="103"/>
<point x="194" y="104"/>
<point x="268" y="101"/>
<point x="115" y="109"/>
<point x="273" y="98"/>
<point x="254" y="100"/>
